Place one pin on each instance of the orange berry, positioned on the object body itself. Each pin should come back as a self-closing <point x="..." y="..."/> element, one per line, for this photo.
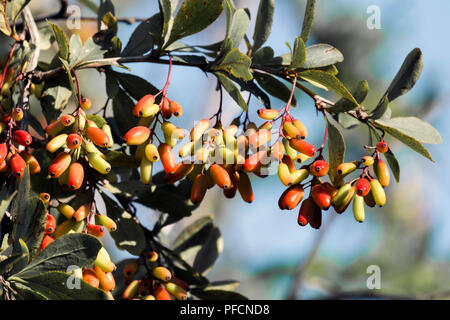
<point x="162" y="273"/>
<point x="268" y="114"/>
<point x="17" y="114"/>
<point x="362" y="187"/>
<point x="17" y="165"/>
<point x="175" y="108"/>
<point x="382" y="172"/>
<point x="59" y="164"/>
<point x="291" y="197"/>
<point x="46" y="241"/>
<point x="32" y="162"/>
<point x="199" y="188"/>
<point x="161" y="294"/>
<point x="319" y="168"/>
<point x="306" y="211"/>
<point x="97" y="136"/>
<point x="302" y="146"/>
<point x="259" y="138"/>
<point x="85" y="103"/>
<point x="74" y="141"/>
<point x="67" y="120"/>
<point x="3" y="152"/>
<point x="167" y="158"/>
<point x="22" y="137"/>
<point x="321" y="196"/>
<point x="50" y="225"/>
<point x="107" y="281"/>
<point x="95" y="230"/>
<point x="137" y="135"/>
<point x="145" y="101"/>
<point x="245" y="188"/>
<point x="76" y="176"/>
<point x="253" y="162"/>
<point x="278" y="150"/>
<point x="91" y="278"/>
<point x="165" y="109"/>
<point x="82" y="212"/>
<point x="45" y="197"/>
<point x="220" y="176"/>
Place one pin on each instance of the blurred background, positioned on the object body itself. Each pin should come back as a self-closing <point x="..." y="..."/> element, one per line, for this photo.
<point x="264" y="247"/>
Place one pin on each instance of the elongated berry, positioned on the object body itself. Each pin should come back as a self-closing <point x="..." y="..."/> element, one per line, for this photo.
<point x="152" y="256"/>
<point x="106" y="221"/>
<point x="382" y="172"/>
<point x="66" y="210"/>
<point x="299" y="175"/>
<point x="103" y="261"/>
<point x="98" y="163"/>
<point x="268" y="114"/>
<point x="346" y="168"/>
<point x="302" y="146"/>
<point x="181" y="171"/>
<point x="74" y="141"/>
<point x="56" y="143"/>
<point x="382" y="146"/>
<point x="107" y="281"/>
<point x="98" y="136"/>
<point x="284" y="174"/>
<point x="130" y="269"/>
<point x="31" y="161"/>
<point x="151" y="152"/>
<point x="291" y="152"/>
<point x="176" y="291"/>
<point x="321" y="196"/>
<point x="85" y="103"/>
<point x="291" y="197"/>
<point x="17" y="165"/>
<point x="22" y="137"/>
<point x="199" y="129"/>
<point x="362" y="187"/>
<point x="369" y="200"/>
<point x="199" y="188"/>
<point x="161" y="294"/>
<point x="291" y="131"/>
<point x="68" y="226"/>
<point x="82" y="212"/>
<point x="46" y="241"/>
<point x="3" y="152"/>
<point x="67" y="120"/>
<point x="358" y="208"/>
<point x="91" y="278"/>
<point x="301" y="128"/>
<point x="146" y="101"/>
<point x="165" y="109"/>
<point x="231" y="192"/>
<point x="146" y="170"/>
<point x="187" y="149"/>
<point x="45" y="197"/>
<point x="259" y="138"/>
<point x="307" y="209"/>
<point x="59" y="164"/>
<point x="367" y="161"/>
<point x="220" y="176"/>
<point x="17" y="114"/>
<point x="108" y="132"/>
<point x="131" y="290"/>
<point x="319" y="168"/>
<point x="378" y="192"/>
<point x="254" y="161"/>
<point x="76" y="176"/>
<point x="50" y="225"/>
<point x="175" y="108"/>
<point x="277" y="151"/>
<point x="342" y="194"/>
<point x="136" y="136"/>
<point x="167" y="158"/>
<point x="245" y="188"/>
<point x="162" y="273"/>
<point x="95" y="230"/>
<point x="290" y="163"/>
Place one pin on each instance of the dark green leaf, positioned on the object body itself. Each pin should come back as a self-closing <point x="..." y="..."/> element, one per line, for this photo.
<point x="25" y="257"/>
<point x="5" y="201"/>
<point x="135" y="86"/>
<point x="191" y="58"/>
<point x="308" y="19"/>
<point x="61" y="39"/>
<point x="237" y="64"/>
<point x="321" y="55"/>
<point x="359" y="93"/>
<point x="407" y="76"/>
<point x="393" y="164"/>
<point x="186" y="238"/>
<point x="141" y="40"/>
<point x="123" y="109"/>
<point x="210" y="250"/>
<point x="263" y="24"/>
<point x="298" y="54"/>
<point x="105" y="7"/>
<point x="233" y="91"/>
<point x="7" y="264"/>
<point x="274" y="87"/>
<point x="120" y="159"/>
<point x="241" y="20"/>
<point x="380" y="109"/>
<point x="129" y="234"/>
<point x="336" y="149"/>
<point x="263" y="56"/>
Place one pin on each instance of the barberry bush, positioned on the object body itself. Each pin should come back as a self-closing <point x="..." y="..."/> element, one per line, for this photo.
<point x="70" y="171"/>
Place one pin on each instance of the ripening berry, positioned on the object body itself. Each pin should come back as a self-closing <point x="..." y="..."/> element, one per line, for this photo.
<point x="290" y="163"/>
<point x="291" y="197"/>
<point x="136" y="136"/>
<point x="186" y="150"/>
<point x="346" y="168"/>
<point x="167" y="158"/>
<point x="98" y="136"/>
<point x="68" y="226"/>
<point x="17" y="165"/>
<point x="199" y="188"/>
<point x="76" y="176"/>
<point x="66" y="210"/>
<point x="50" y="225"/>
<point x="307" y="210"/>
<point x="284" y="174"/>
<point x="161" y="294"/>
<point x="4" y="166"/>
<point x="301" y="128"/>
<point x="54" y="128"/>
<point x="369" y="200"/>
<point x="107" y="281"/>
<point x="17" y="114"/>
<point x="277" y="151"/>
<point x="56" y="143"/>
<point x="259" y="138"/>
<point x="73" y="141"/>
<point x="132" y="290"/>
<point x="382" y="172"/>
<point x="149" y="111"/>
<point x="91" y="278"/>
<point x="175" y="108"/>
<point x="382" y="146"/>
<point x="106" y="221"/>
<point x="98" y="163"/>
<point x="145" y="101"/>
<point x="302" y="146"/>
<point x="220" y="176"/>
<point x="358" y="208"/>
<point x="171" y="131"/>
<point x="234" y="175"/>
<point x="362" y="187"/>
<point x="22" y="137"/>
<point x="85" y="103"/>
<point x="59" y="164"/>
<point x="67" y="120"/>
<point x="367" y="161"/>
<point x="3" y="152"/>
<point x="181" y="171"/>
<point x="291" y="131"/>
<point x="245" y="188"/>
<point x="343" y="197"/>
<point x="103" y="261"/>
<point x="176" y="291"/>
<point x="253" y="162"/>
<point x="199" y="129"/>
<point x="46" y="241"/>
<point x="321" y="196"/>
<point x="146" y="170"/>
<point x="319" y="168"/>
<point x="82" y="212"/>
<point x="108" y="131"/>
<point x="130" y="269"/>
<point x="162" y="273"/>
<point x="378" y="192"/>
<point x="152" y="256"/>
<point x="299" y="175"/>
<point x="32" y="162"/>
<point x="95" y="230"/>
<point x="268" y="114"/>
<point x="45" y="197"/>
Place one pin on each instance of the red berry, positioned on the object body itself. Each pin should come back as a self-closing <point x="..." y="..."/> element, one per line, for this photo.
<point x="51" y="224"/>
<point x="382" y="146"/>
<point x="73" y="141"/>
<point x="22" y="137"/>
<point x="76" y="176"/>
<point x="17" y="165"/>
<point x="363" y="187"/>
<point x="46" y="241"/>
<point x="3" y="152"/>
<point x="319" y="168"/>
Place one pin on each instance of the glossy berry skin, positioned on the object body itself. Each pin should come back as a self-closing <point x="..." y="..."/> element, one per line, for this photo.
<point x="358" y="208"/>
<point x="151" y="152"/>
<point x="90" y="277"/>
<point x="301" y="128"/>
<point x="145" y="101"/>
<point x="162" y="273"/>
<point x="98" y="163"/>
<point x="85" y="103"/>
<point x="378" y="192"/>
<point x="45" y="197"/>
<point x="73" y="141"/>
<point x="32" y="162"/>
<point x="46" y="241"/>
<point x="245" y="188"/>
<point x="199" y="188"/>
<point x="284" y="174"/>
<point x="95" y="230"/>
<point x="3" y="152"/>
<point x="98" y="136"/>
<point x="291" y="197"/>
<point x="107" y="281"/>
<point x="22" y="137"/>
<point x="178" y="292"/>
<point x="346" y="168"/>
<point x="382" y="146"/>
<point x="253" y="162"/>
<point x="167" y="158"/>
<point x="17" y="165"/>
<point x="106" y="221"/>
<point x="67" y="120"/>
<point x="175" y="108"/>
<point x="161" y="294"/>
<point x="137" y="135"/>
<point x="306" y="211"/>
<point x="268" y="114"/>
<point x="367" y="161"/>
<point x="17" y="114"/>
<point x="362" y="187"/>
<point x="319" y="168"/>
<point x="50" y="225"/>
<point x="321" y="196"/>
<point x="302" y="146"/>
<point x="76" y="176"/>
<point x="382" y="172"/>
<point x="59" y="164"/>
<point x="132" y="290"/>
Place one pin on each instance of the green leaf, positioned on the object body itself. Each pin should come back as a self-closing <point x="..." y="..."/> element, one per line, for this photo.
<point x="321" y="55"/>
<point x="135" y="86"/>
<point x="105" y="7"/>
<point x="141" y="40"/>
<point x="193" y="17"/>
<point x="233" y="91"/>
<point x="217" y="295"/>
<point x="237" y="64"/>
<point x="55" y="286"/>
<point x="90" y="51"/>
<point x="25" y="257"/>
<point x="210" y="250"/>
<point x="263" y="56"/>
<point x="298" y="54"/>
<point x="329" y="81"/>
<point x="77" y="249"/>
<point x="186" y="238"/>
<point x="7" y="264"/>
<point x="336" y="149"/>
<point x="61" y="39"/>
<point x="393" y="164"/>
<point x="16" y="8"/>
<point x="30" y="216"/>
<point x="347" y="121"/>
<point x="5" y="201"/>
<point x="359" y="93"/>
<point x="239" y="25"/>
<point x="407" y="76"/>
<point x="308" y="19"/>
<point x="71" y="80"/>
<point x="4" y="27"/>
<point x="380" y="109"/>
<point x="404" y="130"/>
<point x="129" y="234"/>
<point x="263" y="24"/>
<point x="191" y="58"/>
<point x="120" y="159"/>
<point x="75" y="48"/>
<point x="122" y="109"/>
<point x="274" y="87"/>
<point x="167" y="8"/>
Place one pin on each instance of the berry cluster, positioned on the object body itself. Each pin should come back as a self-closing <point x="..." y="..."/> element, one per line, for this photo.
<point x="157" y="283"/>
